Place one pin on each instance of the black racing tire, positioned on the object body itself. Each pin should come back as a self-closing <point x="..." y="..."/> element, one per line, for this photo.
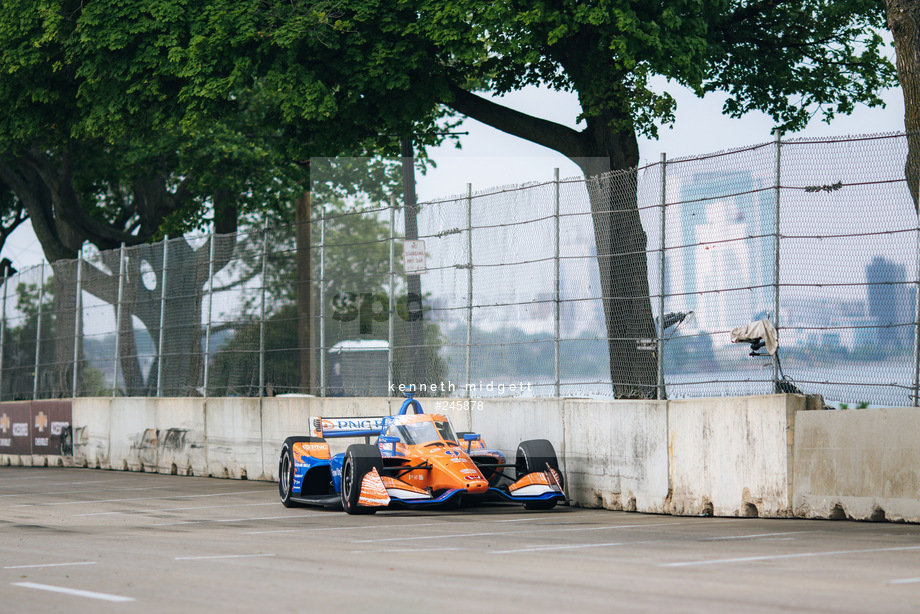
<point x="360" y="459"/>
<point x="536" y="455"/>
<point x="286" y="469"/>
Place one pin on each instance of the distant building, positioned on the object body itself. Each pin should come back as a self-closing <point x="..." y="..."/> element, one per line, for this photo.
<point x="720" y="237"/>
<point x="889" y="302"/>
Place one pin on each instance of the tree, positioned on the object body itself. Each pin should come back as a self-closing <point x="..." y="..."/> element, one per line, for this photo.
<point x="904" y="24"/>
<point x="356" y="287"/>
<point x="94" y="151"/>
<point x="12" y="216"/>
<point x="367" y="67"/>
<point x="332" y="75"/>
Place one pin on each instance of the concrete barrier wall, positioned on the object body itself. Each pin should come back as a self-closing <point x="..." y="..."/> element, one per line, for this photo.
<point x="732" y="456"/>
<point x="862" y="464"/>
<point x="616" y="454"/>
<point x="741" y="456"/>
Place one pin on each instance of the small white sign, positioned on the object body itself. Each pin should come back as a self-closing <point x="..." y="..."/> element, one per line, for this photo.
<point x="414" y="257"/>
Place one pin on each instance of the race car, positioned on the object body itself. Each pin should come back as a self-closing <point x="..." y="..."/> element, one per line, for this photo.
<point x="417" y="460"/>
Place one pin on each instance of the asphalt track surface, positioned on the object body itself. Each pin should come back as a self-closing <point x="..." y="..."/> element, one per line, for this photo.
<point x="83" y="540"/>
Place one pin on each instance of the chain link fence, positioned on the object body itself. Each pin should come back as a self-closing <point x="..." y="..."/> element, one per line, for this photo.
<point x="555" y="288"/>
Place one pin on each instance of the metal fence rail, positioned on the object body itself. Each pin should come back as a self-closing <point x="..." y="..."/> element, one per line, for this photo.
<point x="819" y="236"/>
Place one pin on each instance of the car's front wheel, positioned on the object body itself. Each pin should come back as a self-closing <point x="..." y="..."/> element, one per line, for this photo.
<point x="360" y="459"/>
<point x="536" y="455"/>
<point x="286" y="469"/>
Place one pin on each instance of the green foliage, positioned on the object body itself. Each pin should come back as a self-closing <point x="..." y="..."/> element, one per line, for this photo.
<point x="230" y="93"/>
<point x="367" y="67"/>
<point x="356" y="254"/>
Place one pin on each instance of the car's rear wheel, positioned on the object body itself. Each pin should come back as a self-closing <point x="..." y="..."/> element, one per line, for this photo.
<point x="536" y="455"/>
<point x="360" y="459"/>
<point x="286" y="469"/>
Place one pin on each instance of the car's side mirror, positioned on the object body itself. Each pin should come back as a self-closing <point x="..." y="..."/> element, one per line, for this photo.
<point x="469" y="438"/>
<point x="389" y="439"/>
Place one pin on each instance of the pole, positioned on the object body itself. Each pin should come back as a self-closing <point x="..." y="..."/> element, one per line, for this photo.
<point x="207" y="330"/>
<point x="38" y="333"/>
<point x="262" y="316"/>
<point x="391" y="334"/>
<point x="6" y="279"/>
<point x="162" y="336"/>
<point x="776" y="201"/>
<point x="414" y="282"/>
<point x="916" y="323"/>
<point x="322" y="303"/>
<point x="303" y="239"/>
<point x="77" y="326"/>
<point x="121" y="289"/>
<point x="661" y="274"/>
<point x="557" y="291"/>
<point x="469" y="284"/>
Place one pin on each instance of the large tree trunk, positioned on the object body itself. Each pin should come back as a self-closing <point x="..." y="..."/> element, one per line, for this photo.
<point x="186" y="278"/>
<point x="65" y="323"/>
<point x="304" y="292"/>
<point x="904" y="23"/>
<point x="610" y="172"/>
<point x="44" y="184"/>
<point x="182" y="338"/>
<point x="416" y="325"/>
<point x="618" y="232"/>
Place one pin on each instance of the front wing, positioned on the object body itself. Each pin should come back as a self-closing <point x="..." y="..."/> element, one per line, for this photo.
<point x="384" y="491"/>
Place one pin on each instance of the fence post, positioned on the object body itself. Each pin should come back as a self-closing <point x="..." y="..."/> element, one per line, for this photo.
<point x="776" y="202"/>
<point x="391" y="334"/>
<point x="38" y="332"/>
<point x="6" y="279"/>
<point x="262" y="315"/>
<point x="916" y="322"/>
<point x="661" y="278"/>
<point x="162" y="335"/>
<point x="121" y="289"/>
<point x="469" y="285"/>
<point x="207" y="329"/>
<point x="77" y="325"/>
<point x="557" y="314"/>
<point x="322" y="303"/>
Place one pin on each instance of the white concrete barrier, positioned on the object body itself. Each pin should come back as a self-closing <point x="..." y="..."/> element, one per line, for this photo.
<point x="504" y="423"/>
<point x="233" y="436"/>
<point x="181" y="443"/>
<point x="133" y="433"/>
<point x="741" y="456"/>
<point x="732" y="456"/>
<point x="862" y="464"/>
<point x="616" y="454"/>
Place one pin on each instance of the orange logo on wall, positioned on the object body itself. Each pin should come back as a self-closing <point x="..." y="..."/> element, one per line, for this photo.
<point x="41" y="421"/>
<point x="4" y="423"/>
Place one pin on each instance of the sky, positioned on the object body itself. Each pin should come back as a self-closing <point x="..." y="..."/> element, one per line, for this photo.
<point x="491" y="158"/>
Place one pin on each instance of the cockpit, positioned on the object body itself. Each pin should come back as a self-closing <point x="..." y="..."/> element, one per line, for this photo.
<point x="422" y="429"/>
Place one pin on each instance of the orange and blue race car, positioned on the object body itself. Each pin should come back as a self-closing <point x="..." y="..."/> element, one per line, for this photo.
<point x="417" y="460"/>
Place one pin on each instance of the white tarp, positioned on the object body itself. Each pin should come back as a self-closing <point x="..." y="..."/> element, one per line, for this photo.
<point x="761" y="329"/>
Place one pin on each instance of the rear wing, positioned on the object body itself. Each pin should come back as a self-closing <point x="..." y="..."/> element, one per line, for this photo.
<point x="347" y="427"/>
